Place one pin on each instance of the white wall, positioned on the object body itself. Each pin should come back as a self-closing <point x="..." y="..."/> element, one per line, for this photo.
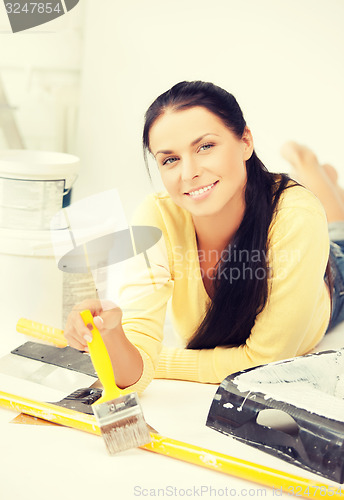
<point x="281" y="59"/>
<point x="40" y="72"/>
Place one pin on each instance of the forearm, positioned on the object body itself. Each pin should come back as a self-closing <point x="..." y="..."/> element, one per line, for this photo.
<point x="210" y="366"/>
<point x="126" y="360"/>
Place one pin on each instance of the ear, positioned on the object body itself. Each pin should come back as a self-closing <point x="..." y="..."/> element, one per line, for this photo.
<point x="247" y="142"/>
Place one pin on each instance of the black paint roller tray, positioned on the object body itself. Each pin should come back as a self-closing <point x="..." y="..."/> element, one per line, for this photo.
<point x="292" y="409"/>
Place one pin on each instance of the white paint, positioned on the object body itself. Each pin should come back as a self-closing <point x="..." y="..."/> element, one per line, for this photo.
<point x="228" y="405"/>
<point x="208" y="459"/>
<point x="339" y="389"/>
<point x="242" y="404"/>
<point x="312" y="383"/>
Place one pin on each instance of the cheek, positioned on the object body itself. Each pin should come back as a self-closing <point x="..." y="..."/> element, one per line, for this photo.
<point x="235" y="174"/>
<point x="234" y="167"/>
<point x="168" y="181"/>
<point x="240" y="174"/>
<point x="229" y="158"/>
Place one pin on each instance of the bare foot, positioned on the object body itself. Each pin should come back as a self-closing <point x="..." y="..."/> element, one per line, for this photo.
<point x="333" y="175"/>
<point x="298" y="155"/>
<point x="305" y="164"/>
<point x="316" y="178"/>
<point x="331" y="172"/>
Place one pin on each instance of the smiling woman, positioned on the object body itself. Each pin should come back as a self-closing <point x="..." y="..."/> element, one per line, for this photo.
<point x="244" y="258"/>
<point x="209" y="167"/>
<point x="205" y="175"/>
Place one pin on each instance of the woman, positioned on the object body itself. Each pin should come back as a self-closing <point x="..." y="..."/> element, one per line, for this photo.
<point x="242" y="258"/>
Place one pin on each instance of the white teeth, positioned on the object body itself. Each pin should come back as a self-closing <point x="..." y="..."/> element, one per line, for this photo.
<point x="200" y="191"/>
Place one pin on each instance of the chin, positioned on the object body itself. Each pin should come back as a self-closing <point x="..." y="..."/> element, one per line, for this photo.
<point x="204" y="211"/>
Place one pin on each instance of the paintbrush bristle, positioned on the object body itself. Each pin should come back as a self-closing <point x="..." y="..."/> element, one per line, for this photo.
<point x="122" y="423"/>
<point x="125" y="434"/>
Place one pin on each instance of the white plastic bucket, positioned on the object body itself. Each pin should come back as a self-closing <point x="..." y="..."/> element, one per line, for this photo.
<point x="39" y="165"/>
<point x="33" y="185"/>
<point x="31" y="283"/>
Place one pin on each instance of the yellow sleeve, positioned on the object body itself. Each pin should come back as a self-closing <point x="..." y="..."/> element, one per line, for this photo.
<point x="144" y="295"/>
<point x="298" y="253"/>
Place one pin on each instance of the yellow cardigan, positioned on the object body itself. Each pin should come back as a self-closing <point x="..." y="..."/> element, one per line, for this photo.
<point x="292" y="323"/>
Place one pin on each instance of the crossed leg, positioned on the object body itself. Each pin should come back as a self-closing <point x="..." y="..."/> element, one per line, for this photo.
<point x="322" y="180"/>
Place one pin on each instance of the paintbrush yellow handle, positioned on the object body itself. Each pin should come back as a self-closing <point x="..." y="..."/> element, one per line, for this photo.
<point x="101" y="362"/>
<point x="99" y="354"/>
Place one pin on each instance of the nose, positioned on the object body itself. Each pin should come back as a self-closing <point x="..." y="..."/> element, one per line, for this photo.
<point x="190" y="168"/>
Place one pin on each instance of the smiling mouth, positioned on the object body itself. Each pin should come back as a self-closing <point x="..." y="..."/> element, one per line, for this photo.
<point x="202" y="190"/>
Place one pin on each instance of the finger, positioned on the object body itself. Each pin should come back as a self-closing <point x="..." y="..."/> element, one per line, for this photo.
<point x="94" y="305"/>
<point x="83" y="330"/>
<point x="74" y="336"/>
<point x="88" y="337"/>
<point x="99" y="322"/>
<point x="74" y="342"/>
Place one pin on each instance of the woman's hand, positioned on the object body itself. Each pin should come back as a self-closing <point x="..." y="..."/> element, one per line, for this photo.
<point x="107" y="317"/>
<point x="125" y="358"/>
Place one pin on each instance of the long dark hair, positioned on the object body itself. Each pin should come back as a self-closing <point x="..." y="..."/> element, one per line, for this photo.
<point x="241" y="275"/>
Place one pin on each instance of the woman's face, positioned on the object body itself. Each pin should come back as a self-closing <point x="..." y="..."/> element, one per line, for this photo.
<point x="201" y="161"/>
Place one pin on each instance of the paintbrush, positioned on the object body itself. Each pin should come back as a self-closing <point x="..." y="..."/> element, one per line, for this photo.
<point x="118" y="412"/>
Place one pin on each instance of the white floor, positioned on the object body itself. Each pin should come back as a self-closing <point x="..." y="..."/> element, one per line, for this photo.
<point x="39" y="462"/>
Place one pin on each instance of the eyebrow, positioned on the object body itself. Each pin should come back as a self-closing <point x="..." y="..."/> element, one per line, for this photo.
<point x="168" y="151"/>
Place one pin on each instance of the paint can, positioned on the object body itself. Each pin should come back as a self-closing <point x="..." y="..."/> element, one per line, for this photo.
<point x="33" y="187"/>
